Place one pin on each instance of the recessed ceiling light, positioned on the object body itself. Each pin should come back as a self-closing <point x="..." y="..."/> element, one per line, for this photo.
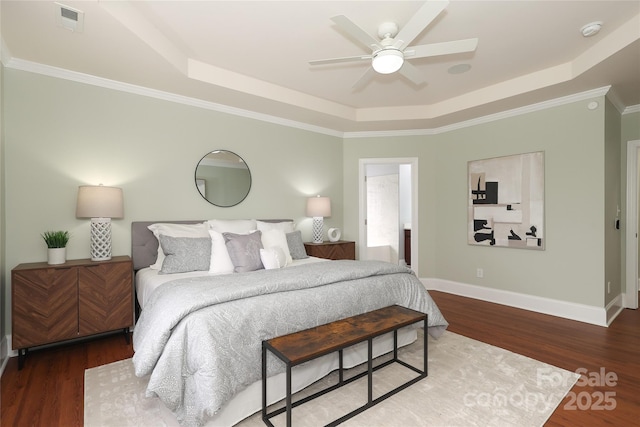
<point x="459" y="69"/>
<point x="591" y="29"/>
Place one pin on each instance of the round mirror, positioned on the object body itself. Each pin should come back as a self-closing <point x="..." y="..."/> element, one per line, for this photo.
<point x="223" y="178"/>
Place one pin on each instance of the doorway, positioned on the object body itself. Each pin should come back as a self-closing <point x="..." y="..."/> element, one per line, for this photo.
<point x="630" y="299"/>
<point x="388" y="210"/>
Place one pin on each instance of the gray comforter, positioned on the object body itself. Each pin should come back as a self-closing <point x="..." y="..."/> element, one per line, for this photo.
<point x="200" y="338"/>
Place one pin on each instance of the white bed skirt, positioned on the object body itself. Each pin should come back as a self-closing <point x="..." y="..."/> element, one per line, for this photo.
<point x="249" y="400"/>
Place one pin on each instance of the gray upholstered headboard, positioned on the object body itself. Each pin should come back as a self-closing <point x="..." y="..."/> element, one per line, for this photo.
<point x="144" y="245"/>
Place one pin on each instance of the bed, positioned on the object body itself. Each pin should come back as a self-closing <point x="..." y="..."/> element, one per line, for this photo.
<point x="205" y="311"/>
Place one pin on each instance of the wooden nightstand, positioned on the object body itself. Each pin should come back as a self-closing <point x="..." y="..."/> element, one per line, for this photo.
<point x="54" y="303"/>
<point x="342" y="249"/>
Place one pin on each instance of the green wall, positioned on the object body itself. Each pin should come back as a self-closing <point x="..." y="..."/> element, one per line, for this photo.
<point x="60" y="134"/>
<point x="572" y="137"/>
<point x="630" y="127"/>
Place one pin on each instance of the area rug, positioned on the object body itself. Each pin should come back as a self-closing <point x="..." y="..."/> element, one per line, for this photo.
<point x="470" y="383"/>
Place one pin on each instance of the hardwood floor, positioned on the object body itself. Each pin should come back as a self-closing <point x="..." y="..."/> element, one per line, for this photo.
<point x="48" y="391"/>
<point x="567" y="344"/>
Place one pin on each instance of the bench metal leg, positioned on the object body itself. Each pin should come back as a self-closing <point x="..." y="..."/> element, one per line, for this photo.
<point x="289" y="408"/>
<point x="264" y="383"/>
<point x="370" y="364"/>
<point x="425" y="354"/>
<point x="395" y="345"/>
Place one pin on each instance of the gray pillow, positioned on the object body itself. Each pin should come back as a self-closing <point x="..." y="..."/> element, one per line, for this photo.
<point x="244" y="250"/>
<point x="184" y="254"/>
<point x="296" y="247"/>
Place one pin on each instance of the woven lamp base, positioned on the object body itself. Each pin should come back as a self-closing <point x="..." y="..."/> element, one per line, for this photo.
<point x="318" y="227"/>
<point x="100" y="239"/>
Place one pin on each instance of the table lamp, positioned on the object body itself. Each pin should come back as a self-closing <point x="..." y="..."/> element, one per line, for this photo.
<point x="318" y="208"/>
<point x="100" y="203"/>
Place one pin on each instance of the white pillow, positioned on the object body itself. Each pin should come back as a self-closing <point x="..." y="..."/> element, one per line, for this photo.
<point x="286" y="226"/>
<point x="220" y="260"/>
<point x="175" y="230"/>
<point x="272" y="258"/>
<point x="236" y="226"/>
<point x="277" y="238"/>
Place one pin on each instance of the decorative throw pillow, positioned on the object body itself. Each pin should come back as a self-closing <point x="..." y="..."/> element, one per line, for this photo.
<point x="276" y="238"/>
<point x="244" y="250"/>
<point x="220" y="261"/>
<point x="175" y="230"/>
<point x="272" y="258"/>
<point x="184" y="254"/>
<point x="296" y="247"/>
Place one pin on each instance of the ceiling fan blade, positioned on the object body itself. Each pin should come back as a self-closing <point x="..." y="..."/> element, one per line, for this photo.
<point x="339" y="60"/>
<point x="356" y="32"/>
<point x="412" y="73"/>
<point x="444" y="48"/>
<point x="423" y="17"/>
<point x="364" y="79"/>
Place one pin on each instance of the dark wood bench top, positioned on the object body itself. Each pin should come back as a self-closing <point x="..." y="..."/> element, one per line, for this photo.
<point x="309" y="344"/>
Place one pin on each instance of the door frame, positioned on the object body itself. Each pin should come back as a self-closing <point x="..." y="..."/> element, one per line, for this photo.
<point x="362" y="202"/>
<point x="630" y="297"/>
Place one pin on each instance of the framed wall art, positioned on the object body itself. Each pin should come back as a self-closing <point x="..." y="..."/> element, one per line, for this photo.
<point x="506" y="201"/>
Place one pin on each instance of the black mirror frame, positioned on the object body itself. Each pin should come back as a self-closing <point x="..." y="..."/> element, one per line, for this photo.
<point x="204" y="195"/>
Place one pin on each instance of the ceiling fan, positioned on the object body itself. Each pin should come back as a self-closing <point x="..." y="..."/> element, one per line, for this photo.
<point x="391" y="53"/>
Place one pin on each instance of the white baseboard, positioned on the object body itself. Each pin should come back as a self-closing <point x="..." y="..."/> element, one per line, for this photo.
<point x="614" y="308"/>
<point x="4" y="352"/>
<point x="8" y="351"/>
<point x="584" y="313"/>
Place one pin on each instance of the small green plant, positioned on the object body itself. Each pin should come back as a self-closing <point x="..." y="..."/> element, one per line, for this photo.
<point x="56" y="239"/>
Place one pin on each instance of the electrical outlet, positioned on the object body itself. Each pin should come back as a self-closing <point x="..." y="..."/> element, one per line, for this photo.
<point x="479" y="273"/>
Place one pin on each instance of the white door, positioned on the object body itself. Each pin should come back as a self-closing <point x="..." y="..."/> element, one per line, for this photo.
<point x="382" y="216"/>
<point x="633" y="177"/>
<point x="398" y="210"/>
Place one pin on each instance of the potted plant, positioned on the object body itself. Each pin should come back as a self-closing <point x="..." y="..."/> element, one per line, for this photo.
<point x="56" y="246"/>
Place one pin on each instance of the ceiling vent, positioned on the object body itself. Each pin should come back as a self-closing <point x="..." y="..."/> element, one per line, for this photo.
<point x="69" y="18"/>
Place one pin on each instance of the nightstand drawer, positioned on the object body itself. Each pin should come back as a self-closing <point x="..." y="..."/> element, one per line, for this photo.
<point x="341" y="249"/>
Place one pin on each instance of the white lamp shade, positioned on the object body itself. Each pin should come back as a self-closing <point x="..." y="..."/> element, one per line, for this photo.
<point x="98" y="201"/>
<point x="319" y="206"/>
<point x="387" y="61"/>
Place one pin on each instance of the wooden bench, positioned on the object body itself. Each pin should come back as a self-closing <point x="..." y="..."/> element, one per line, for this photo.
<point x="309" y="344"/>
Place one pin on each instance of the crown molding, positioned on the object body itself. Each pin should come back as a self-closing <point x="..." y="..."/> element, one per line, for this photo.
<point x="61" y="73"/>
<point x="489" y="118"/>
<point x="33" y="67"/>
<point x="613" y="96"/>
<point x="631" y="109"/>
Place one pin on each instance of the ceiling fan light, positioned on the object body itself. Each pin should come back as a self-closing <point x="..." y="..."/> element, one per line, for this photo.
<point x="387" y="61"/>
